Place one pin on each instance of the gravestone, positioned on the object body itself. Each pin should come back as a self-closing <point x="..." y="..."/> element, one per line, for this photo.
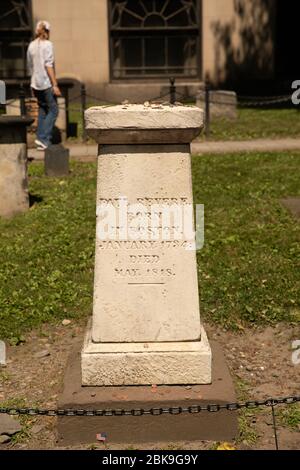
<point x="57" y="161"/>
<point x="2" y="353"/>
<point x="145" y="342"/>
<point x="146" y="325"/>
<point x="2" y="92"/>
<point x="14" y="198"/>
<point x="223" y="104"/>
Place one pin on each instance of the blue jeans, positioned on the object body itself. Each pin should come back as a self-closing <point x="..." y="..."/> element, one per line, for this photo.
<point x="48" y="112"/>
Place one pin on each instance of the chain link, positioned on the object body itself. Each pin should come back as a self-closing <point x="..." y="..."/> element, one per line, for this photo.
<point x="263" y="101"/>
<point x="270" y="403"/>
<point x="158" y="411"/>
<point x="248" y="100"/>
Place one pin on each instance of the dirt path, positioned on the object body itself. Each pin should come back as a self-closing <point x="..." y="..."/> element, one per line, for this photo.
<point x="87" y="153"/>
<point x="254" y="145"/>
<point x="260" y="361"/>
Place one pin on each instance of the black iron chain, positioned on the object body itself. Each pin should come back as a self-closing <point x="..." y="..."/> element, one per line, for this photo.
<point x="247" y="100"/>
<point x="158" y="411"/>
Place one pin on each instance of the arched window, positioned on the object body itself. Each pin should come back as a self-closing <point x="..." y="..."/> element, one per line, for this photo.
<point x="15" y="34"/>
<point x="155" y="38"/>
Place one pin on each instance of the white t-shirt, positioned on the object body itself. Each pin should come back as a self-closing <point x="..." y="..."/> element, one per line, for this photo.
<point x="40" y="55"/>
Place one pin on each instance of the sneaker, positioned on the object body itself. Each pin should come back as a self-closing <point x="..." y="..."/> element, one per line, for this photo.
<point x="40" y="145"/>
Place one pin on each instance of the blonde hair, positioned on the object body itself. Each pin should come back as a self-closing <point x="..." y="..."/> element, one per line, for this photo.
<point x="42" y="31"/>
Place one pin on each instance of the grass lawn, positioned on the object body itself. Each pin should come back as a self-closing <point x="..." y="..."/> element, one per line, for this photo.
<point x="258" y="124"/>
<point x="248" y="267"/>
<point x="46" y="256"/>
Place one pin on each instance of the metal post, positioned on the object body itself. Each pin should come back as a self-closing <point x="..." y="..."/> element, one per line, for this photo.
<point x="172" y="91"/>
<point x="83" y="108"/>
<point x="207" y="109"/>
<point x="22" y="100"/>
<point x="2" y="93"/>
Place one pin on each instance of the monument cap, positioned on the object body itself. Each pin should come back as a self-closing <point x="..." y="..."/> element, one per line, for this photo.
<point x="137" y="123"/>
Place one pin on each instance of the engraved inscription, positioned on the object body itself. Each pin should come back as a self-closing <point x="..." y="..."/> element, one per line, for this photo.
<point x="119" y="202"/>
<point x="145" y="219"/>
<point x="144" y="259"/>
<point x="139" y="272"/>
<point x="143" y="245"/>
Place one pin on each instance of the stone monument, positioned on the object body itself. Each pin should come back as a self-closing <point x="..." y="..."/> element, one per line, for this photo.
<point x="2" y="353"/>
<point x="14" y="198"/>
<point x="145" y="342"/>
<point x="146" y="325"/>
<point x="223" y="104"/>
<point x="57" y="161"/>
<point x="2" y="93"/>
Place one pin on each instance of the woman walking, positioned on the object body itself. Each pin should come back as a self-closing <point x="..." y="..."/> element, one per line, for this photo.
<point x="40" y="62"/>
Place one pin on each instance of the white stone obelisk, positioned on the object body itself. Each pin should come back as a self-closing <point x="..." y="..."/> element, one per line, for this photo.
<point x="146" y="325"/>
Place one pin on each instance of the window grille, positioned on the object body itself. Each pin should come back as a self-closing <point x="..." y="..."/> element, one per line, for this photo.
<point x="15" y="35"/>
<point x="154" y="38"/>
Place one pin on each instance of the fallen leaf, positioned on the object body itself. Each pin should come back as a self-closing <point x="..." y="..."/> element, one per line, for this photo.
<point x="226" y="446"/>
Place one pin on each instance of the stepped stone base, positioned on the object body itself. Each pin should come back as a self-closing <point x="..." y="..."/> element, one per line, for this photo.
<point x="123" y="430"/>
<point x="106" y="364"/>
